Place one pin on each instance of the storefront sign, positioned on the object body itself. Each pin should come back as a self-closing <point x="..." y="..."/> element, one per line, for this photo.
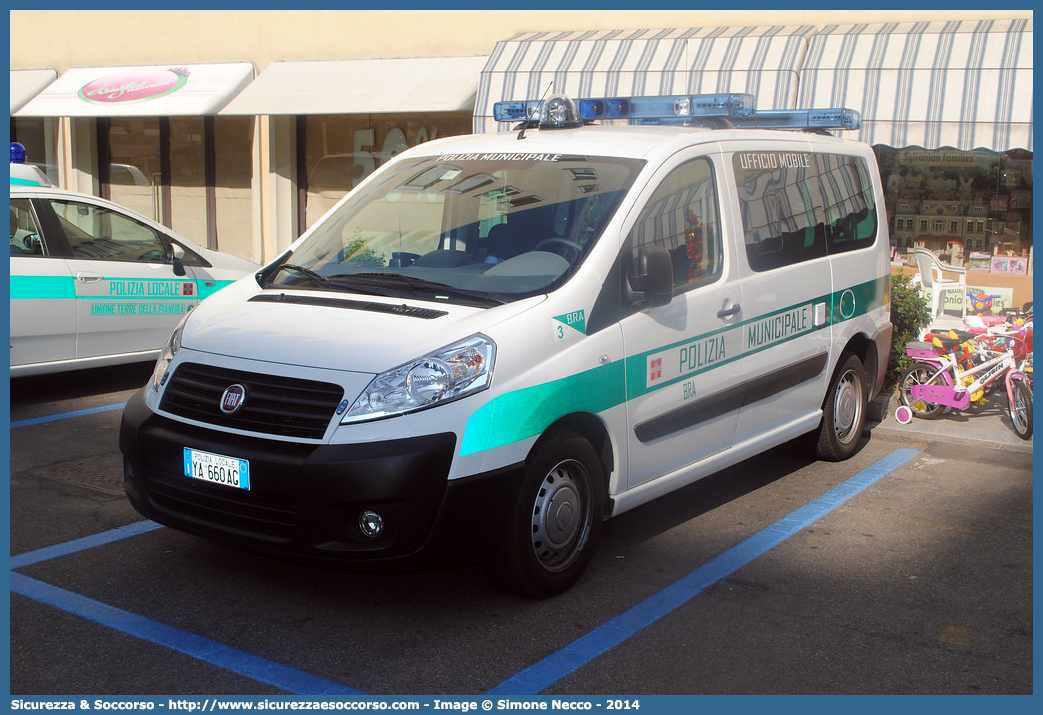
<point x="134" y="86"/>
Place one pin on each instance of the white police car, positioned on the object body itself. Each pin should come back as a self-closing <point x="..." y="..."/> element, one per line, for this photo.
<point x="497" y="341"/>
<point x="93" y="284"/>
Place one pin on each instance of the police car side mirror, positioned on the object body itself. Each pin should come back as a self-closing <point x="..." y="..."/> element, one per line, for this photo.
<point x="176" y="254"/>
<point x="654" y="280"/>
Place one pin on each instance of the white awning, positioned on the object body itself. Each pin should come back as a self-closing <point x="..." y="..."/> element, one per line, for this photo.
<point x="363" y="86"/>
<point x="762" y="61"/>
<point x="141" y="91"/>
<point x="965" y="85"/>
<point x="26" y="84"/>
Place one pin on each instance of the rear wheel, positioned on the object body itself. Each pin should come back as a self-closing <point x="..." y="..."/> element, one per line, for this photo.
<point x="554" y="519"/>
<point x="919" y="374"/>
<point x="1021" y="409"/>
<point x="844" y="414"/>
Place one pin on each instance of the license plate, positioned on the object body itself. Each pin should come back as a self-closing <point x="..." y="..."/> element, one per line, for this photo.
<point x="217" y="469"/>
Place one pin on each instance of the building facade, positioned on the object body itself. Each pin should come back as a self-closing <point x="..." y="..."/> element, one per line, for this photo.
<point x="239" y="129"/>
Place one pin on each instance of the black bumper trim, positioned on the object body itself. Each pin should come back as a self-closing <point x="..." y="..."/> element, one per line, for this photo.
<point x="305" y="499"/>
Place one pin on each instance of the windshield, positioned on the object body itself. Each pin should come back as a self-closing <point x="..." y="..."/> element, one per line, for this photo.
<point x="477" y="228"/>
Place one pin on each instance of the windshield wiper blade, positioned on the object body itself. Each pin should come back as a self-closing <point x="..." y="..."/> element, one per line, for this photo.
<point x="317" y="278"/>
<point x="414" y="285"/>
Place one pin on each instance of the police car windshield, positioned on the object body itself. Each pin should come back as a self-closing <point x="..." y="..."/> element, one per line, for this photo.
<point x="492" y="227"/>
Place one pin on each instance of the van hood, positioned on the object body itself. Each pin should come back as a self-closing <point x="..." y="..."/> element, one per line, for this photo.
<point x="332" y="330"/>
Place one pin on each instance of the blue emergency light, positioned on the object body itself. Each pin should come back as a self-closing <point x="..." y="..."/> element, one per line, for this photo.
<point x="723" y="109"/>
<point x="560" y="111"/>
<point x="811" y="119"/>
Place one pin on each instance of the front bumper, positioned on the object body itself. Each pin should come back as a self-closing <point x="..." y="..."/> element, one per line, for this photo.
<point x="305" y="500"/>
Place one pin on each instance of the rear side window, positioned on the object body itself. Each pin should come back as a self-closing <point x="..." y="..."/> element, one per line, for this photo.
<point x="798" y="206"/>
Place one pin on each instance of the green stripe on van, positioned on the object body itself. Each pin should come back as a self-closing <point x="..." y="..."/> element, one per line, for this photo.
<point x="43" y="288"/>
<point x="526" y="413"/>
<point x="64" y="288"/>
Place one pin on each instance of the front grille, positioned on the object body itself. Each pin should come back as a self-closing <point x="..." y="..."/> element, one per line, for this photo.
<point x="227" y="508"/>
<point x="273" y="405"/>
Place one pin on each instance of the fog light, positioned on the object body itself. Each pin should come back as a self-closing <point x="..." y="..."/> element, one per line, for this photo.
<point x="371" y="523"/>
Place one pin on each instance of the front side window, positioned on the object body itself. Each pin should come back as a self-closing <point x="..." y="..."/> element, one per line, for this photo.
<point x="25" y="232"/>
<point x="485" y="228"/>
<point x="682" y="216"/>
<point x="95" y="232"/>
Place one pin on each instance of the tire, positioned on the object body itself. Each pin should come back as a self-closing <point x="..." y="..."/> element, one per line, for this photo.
<point x="918" y="374"/>
<point x="1020" y="409"/>
<point x="554" y="519"/>
<point x="844" y="412"/>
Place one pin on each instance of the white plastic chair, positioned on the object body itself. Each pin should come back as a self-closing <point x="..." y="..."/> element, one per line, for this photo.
<point x="931" y="276"/>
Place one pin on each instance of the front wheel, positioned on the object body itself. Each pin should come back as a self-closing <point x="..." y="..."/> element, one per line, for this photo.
<point x="844" y="413"/>
<point x="1020" y="407"/>
<point x="554" y="520"/>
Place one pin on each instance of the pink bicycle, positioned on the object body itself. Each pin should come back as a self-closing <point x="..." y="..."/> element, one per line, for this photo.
<point x="953" y="373"/>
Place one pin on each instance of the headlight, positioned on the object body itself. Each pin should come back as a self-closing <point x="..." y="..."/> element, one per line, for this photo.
<point x="159" y="374"/>
<point x="448" y="374"/>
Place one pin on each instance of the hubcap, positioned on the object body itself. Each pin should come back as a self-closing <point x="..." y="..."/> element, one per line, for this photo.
<point x="847" y="407"/>
<point x="560" y="516"/>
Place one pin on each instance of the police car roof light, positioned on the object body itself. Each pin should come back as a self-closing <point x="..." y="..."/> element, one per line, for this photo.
<point x="730" y="109"/>
<point x="667" y="107"/>
<point x="810" y="119"/>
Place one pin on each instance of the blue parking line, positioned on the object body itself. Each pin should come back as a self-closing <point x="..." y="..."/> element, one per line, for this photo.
<point x="530" y="681"/>
<point x="66" y="415"/>
<point x="251" y="666"/>
<point x="88" y="542"/>
<point x="584" y="649"/>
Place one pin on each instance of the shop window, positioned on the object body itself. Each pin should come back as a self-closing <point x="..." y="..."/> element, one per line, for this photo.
<point x="988" y="193"/>
<point x="39" y="136"/>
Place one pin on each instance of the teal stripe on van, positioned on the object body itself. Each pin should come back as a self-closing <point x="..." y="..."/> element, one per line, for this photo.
<point x="64" y="288"/>
<point x="526" y="413"/>
<point x="43" y="288"/>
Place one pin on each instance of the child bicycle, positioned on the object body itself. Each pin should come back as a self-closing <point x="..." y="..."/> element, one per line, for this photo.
<point x="951" y="373"/>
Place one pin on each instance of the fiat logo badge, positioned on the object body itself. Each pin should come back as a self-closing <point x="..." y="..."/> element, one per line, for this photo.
<point x="232" y="399"/>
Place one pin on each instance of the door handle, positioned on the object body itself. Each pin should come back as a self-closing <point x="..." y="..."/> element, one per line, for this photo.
<point x="88" y="277"/>
<point x="729" y="311"/>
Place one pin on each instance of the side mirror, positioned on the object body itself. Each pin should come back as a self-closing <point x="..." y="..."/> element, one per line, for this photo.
<point x="176" y="254"/>
<point x="654" y="280"/>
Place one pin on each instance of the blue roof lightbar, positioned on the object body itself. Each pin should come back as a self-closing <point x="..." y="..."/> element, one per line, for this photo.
<point x="811" y="119"/>
<point x="525" y="110"/>
<point x="721" y="110"/>
<point x="667" y="107"/>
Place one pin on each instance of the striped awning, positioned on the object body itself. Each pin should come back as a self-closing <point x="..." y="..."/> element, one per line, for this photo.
<point x="961" y="84"/>
<point x="762" y="61"/>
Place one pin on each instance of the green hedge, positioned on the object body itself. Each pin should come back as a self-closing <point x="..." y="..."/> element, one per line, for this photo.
<point x="910" y="313"/>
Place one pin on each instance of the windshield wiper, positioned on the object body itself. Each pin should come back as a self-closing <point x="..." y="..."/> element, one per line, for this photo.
<point x="316" y="278"/>
<point x="414" y="285"/>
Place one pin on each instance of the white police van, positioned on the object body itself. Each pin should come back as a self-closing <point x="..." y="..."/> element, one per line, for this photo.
<point x="497" y="341"/>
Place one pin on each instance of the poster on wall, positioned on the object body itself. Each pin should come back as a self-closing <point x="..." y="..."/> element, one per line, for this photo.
<point x="981" y="300"/>
<point x="1010" y="265"/>
<point x="979" y="261"/>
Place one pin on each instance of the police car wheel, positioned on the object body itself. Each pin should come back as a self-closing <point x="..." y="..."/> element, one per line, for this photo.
<point x="554" y="520"/>
<point x="844" y="413"/>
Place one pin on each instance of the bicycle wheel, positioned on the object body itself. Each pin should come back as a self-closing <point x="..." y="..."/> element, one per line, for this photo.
<point x="1020" y="406"/>
<point x="919" y="374"/>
